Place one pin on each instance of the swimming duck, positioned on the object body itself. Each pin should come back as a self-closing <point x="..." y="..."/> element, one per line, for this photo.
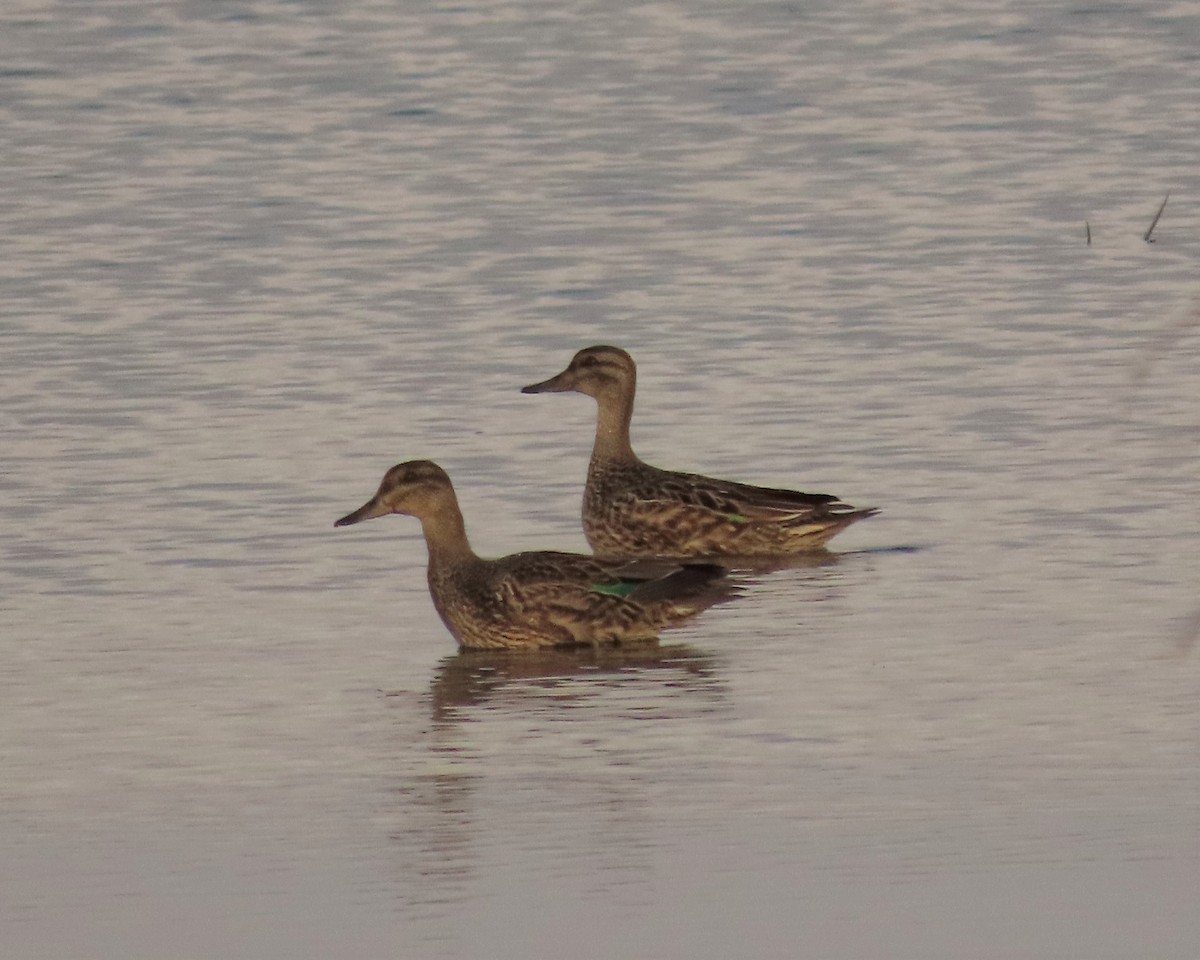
<point x="537" y="599"/>
<point x="631" y="509"/>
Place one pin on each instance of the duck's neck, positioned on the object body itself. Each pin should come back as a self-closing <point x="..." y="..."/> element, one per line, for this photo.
<point x="446" y="536"/>
<point x="612" y="428"/>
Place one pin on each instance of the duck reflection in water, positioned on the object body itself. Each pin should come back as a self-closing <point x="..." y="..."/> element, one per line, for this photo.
<point x="474" y="678"/>
<point x="513" y="730"/>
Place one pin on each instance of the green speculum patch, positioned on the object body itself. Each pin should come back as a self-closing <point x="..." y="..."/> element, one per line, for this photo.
<point x="622" y="588"/>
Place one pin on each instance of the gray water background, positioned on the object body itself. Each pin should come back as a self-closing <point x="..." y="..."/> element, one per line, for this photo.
<point x="255" y="253"/>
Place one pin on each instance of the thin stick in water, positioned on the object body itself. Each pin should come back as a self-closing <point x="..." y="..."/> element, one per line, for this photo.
<point x="1154" y="222"/>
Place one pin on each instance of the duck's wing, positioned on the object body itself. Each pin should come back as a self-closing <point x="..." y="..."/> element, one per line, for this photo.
<point x="592" y="600"/>
<point x="567" y="592"/>
<point x="740" y="502"/>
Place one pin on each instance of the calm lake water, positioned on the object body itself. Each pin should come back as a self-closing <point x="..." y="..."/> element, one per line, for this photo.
<point x="256" y="253"/>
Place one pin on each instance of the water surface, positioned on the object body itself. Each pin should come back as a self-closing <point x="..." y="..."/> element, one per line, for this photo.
<point x="254" y="254"/>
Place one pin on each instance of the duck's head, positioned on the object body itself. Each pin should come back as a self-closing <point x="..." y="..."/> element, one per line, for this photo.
<point x="597" y="371"/>
<point x="419" y="488"/>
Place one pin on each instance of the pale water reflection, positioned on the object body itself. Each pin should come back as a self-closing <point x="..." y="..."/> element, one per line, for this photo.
<point x="254" y="254"/>
<point x="537" y="710"/>
<point x="473" y="678"/>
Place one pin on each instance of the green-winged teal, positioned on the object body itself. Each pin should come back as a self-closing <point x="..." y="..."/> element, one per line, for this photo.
<point x="538" y="599"/>
<point x="631" y="509"/>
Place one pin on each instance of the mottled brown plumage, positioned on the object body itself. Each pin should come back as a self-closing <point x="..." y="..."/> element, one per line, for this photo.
<point x="631" y="509"/>
<point x="537" y="599"/>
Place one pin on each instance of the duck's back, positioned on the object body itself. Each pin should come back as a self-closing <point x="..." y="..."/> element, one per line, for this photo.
<point x="633" y="509"/>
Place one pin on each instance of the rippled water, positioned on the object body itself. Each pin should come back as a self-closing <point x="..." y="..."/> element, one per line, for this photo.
<point x="255" y="253"/>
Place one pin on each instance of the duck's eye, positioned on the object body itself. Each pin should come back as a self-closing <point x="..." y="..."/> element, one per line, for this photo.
<point x="587" y="361"/>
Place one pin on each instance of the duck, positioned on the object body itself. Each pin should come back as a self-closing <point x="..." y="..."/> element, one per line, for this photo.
<point x="537" y="599"/>
<point x="632" y="509"/>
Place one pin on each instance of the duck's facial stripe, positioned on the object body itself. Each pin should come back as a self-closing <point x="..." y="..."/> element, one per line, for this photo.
<point x="594" y="363"/>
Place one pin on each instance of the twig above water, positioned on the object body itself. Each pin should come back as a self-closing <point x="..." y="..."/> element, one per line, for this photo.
<point x="1154" y="222"/>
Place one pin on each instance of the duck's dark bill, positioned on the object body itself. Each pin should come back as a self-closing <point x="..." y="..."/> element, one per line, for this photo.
<point x="367" y="511"/>
<point x="553" y="385"/>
